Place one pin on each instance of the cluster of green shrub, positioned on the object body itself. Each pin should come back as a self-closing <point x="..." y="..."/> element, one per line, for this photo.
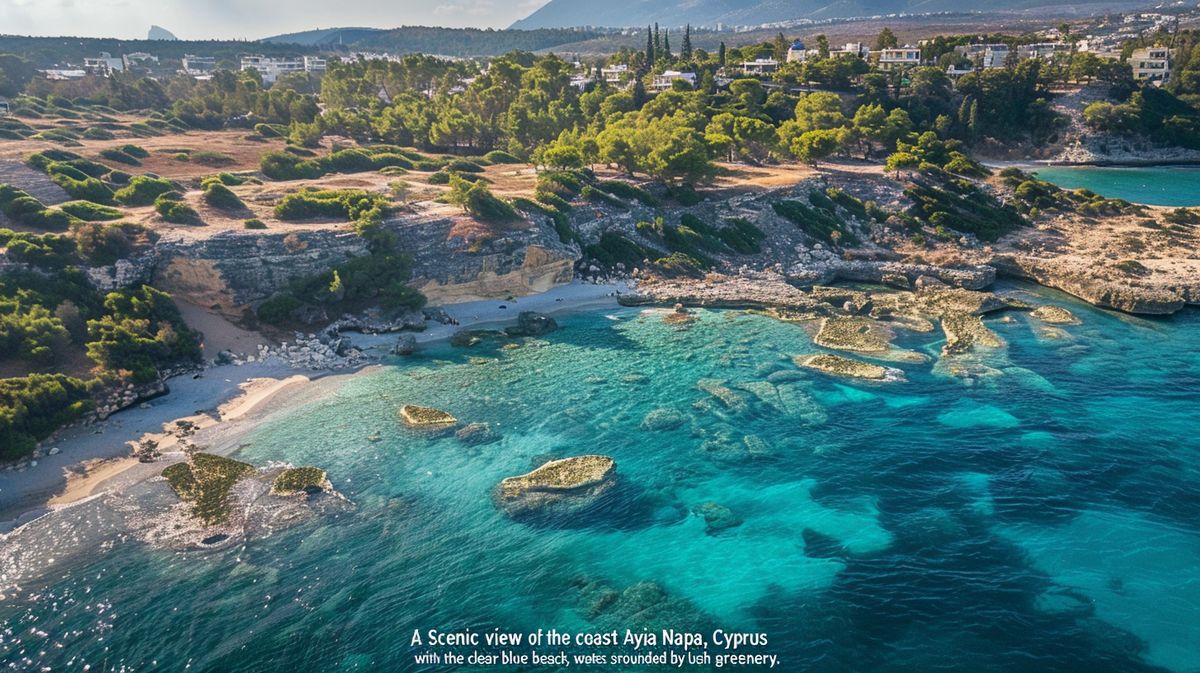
<point x="562" y="224"/>
<point x="172" y="208"/>
<point x="33" y="406"/>
<point x="699" y="240"/>
<point x="962" y="206"/>
<point x="143" y="190"/>
<point x="614" y="248"/>
<point x="350" y="204"/>
<point x="819" y="218"/>
<point x="130" y="155"/>
<point x="629" y="192"/>
<point x="218" y="194"/>
<point x="50" y="313"/>
<point x="1033" y="197"/>
<point x="22" y="208"/>
<point x="377" y="278"/>
<point x="478" y="201"/>
<point x="289" y="165"/>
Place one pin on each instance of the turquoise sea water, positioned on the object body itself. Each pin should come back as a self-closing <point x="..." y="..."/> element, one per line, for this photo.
<point x="1156" y="186"/>
<point x="1042" y="517"/>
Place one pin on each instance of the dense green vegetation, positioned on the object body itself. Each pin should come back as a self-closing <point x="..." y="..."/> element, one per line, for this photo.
<point x="49" y="312"/>
<point x="205" y="483"/>
<point x="947" y="203"/>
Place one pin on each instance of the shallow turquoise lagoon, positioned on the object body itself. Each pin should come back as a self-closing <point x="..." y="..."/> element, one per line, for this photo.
<point x="1156" y="186"/>
<point x="1043" y="514"/>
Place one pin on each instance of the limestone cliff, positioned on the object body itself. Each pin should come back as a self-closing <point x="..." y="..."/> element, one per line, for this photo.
<point x="232" y="271"/>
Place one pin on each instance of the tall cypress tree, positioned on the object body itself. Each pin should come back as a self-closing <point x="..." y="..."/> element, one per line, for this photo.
<point x="721" y="55"/>
<point x="657" y="40"/>
<point x="667" y="44"/>
<point x="686" y="51"/>
<point x="649" y="48"/>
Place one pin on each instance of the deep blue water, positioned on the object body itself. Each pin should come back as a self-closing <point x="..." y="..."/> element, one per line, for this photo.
<point x="1156" y="186"/>
<point x="1042" y="515"/>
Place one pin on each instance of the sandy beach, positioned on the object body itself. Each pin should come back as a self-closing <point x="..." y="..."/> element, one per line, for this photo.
<point x="96" y="458"/>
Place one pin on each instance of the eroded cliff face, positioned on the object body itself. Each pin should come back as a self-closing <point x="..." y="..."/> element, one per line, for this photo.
<point x="448" y="268"/>
<point x="233" y="271"/>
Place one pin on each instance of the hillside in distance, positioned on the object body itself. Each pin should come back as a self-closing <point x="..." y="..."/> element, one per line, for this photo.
<point x="620" y="13"/>
<point x="463" y="42"/>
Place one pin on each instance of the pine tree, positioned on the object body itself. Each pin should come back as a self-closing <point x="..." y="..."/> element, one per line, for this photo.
<point x="686" y="52"/>
<point x="721" y="55"/>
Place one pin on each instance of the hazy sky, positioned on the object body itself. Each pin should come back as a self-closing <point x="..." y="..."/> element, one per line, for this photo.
<point x="198" y="19"/>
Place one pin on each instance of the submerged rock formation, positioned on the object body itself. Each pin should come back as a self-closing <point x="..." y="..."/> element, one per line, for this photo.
<point x="1055" y="315"/>
<point x="717" y="517"/>
<point x="965" y="331"/>
<point x="559" y="486"/>
<point x="477" y="433"/>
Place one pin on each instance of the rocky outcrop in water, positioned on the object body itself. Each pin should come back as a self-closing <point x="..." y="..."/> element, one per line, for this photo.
<point x="532" y="324"/>
<point x="558" y="487"/>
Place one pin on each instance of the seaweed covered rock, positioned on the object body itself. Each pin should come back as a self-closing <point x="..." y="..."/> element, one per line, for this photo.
<point x="965" y="331"/>
<point x="476" y="433"/>
<point x="663" y="418"/>
<point x="560" y="486"/>
<point x="853" y="333"/>
<point x="717" y="517"/>
<point x="1055" y="315"/>
<point x="840" y="366"/>
<point x="205" y="483"/>
<point x="425" y="417"/>
<point x="297" y="480"/>
<point x="532" y="323"/>
<point x="644" y="605"/>
<point x="679" y="316"/>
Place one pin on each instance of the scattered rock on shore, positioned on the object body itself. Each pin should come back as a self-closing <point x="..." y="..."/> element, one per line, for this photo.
<point x="532" y="323"/>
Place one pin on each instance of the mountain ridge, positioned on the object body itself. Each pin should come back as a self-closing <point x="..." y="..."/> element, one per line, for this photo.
<point x="630" y="13"/>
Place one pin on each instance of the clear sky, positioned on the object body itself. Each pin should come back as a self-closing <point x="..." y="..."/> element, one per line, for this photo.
<point x="251" y="19"/>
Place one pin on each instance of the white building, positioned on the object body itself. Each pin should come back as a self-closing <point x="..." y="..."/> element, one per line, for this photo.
<point x="138" y="58"/>
<point x="899" y="57"/>
<point x="272" y="69"/>
<point x="315" y="64"/>
<point x="617" y="75"/>
<point x="104" y="64"/>
<point x="797" y="52"/>
<point x="60" y="74"/>
<point x="760" y="66"/>
<point x="985" y="55"/>
<point x="667" y="80"/>
<point x="855" y="49"/>
<point x="1043" y="50"/>
<point x="198" y="65"/>
<point x="1151" y="64"/>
